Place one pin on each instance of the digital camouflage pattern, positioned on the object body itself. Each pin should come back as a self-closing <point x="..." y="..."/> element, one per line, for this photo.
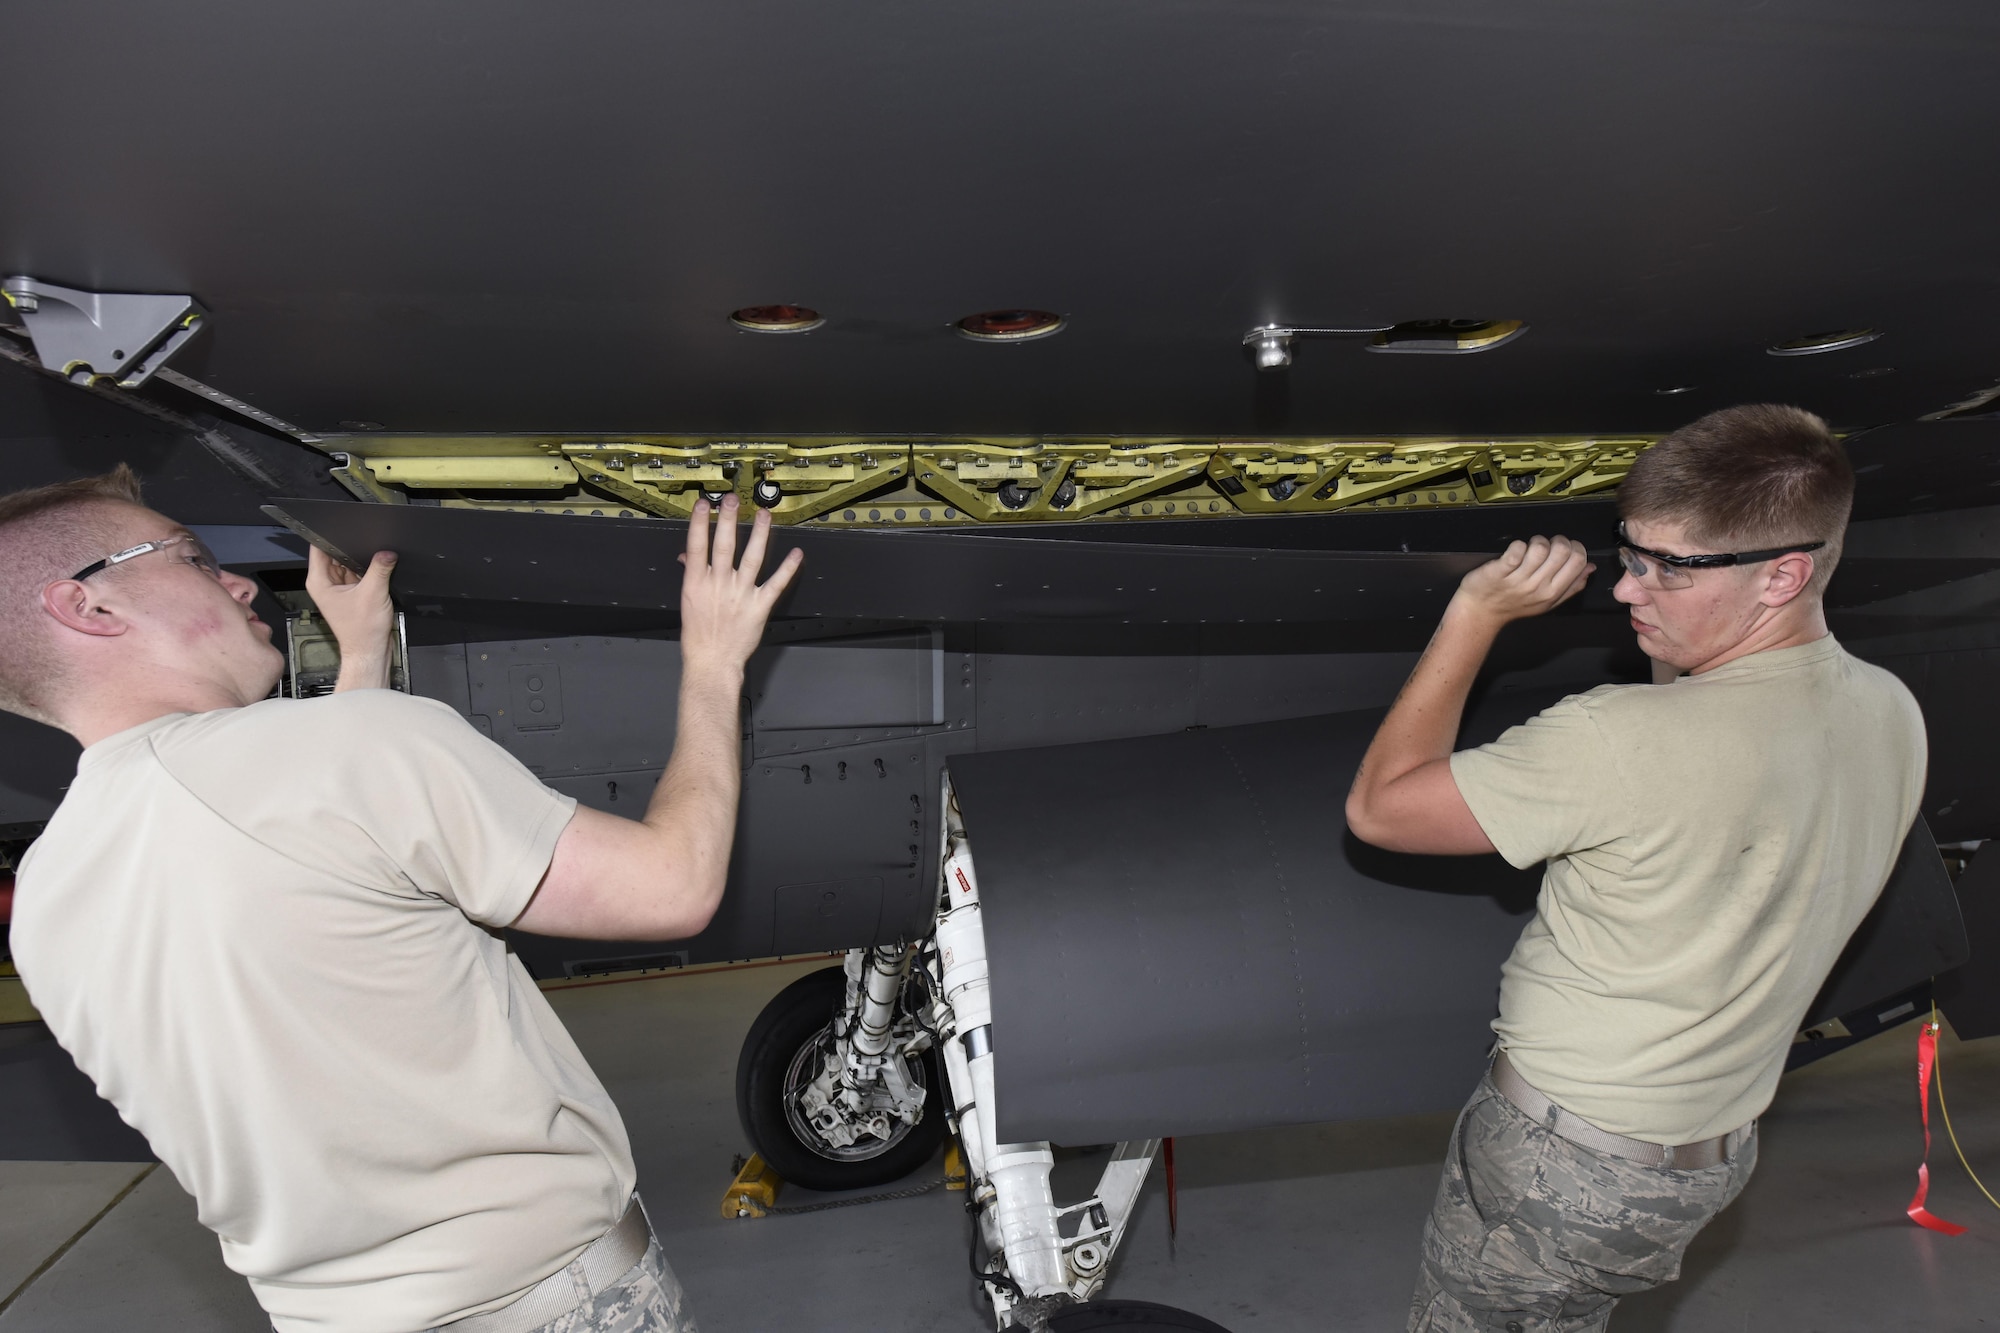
<point x="1531" y="1233"/>
<point x="646" y="1299"/>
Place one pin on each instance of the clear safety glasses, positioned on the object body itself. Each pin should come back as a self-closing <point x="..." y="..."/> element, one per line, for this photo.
<point x="196" y="554"/>
<point x="1658" y="570"/>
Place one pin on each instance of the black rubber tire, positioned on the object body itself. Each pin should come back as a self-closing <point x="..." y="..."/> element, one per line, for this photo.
<point x="794" y="1017"/>
<point x="1130" y="1317"/>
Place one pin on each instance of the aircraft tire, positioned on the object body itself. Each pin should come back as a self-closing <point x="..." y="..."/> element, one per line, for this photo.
<point x="796" y="1016"/>
<point x="1130" y="1317"/>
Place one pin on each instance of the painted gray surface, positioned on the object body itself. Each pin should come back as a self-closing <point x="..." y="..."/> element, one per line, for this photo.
<point x="540" y="562"/>
<point x="53" y="1112"/>
<point x="1970" y="996"/>
<point x="1184" y="938"/>
<point x="36" y="765"/>
<point x="1915" y="931"/>
<point x="884" y="681"/>
<point x="830" y="813"/>
<point x="918" y="575"/>
<point x="519" y="216"/>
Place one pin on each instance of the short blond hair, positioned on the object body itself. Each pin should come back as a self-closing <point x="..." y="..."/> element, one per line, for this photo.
<point x="47" y="534"/>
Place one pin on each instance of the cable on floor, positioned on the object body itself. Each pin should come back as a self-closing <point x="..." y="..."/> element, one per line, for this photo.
<point x="1938" y="1073"/>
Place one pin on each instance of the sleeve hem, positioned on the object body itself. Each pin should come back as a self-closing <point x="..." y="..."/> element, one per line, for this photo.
<point x="1521" y="858"/>
<point x="534" y="862"/>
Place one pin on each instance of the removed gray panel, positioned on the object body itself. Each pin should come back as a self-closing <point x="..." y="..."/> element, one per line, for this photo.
<point x="926" y="576"/>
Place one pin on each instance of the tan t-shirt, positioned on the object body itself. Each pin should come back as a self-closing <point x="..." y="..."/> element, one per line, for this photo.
<point x="1711" y="844"/>
<point x="261" y="931"/>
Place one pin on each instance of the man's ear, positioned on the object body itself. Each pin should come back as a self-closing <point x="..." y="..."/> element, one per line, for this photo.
<point x="75" y="605"/>
<point x="1787" y="577"/>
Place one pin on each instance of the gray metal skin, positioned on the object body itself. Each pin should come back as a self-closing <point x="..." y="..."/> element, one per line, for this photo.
<point x="1184" y="938"/>
<point x="512" y="216"/>
<point x="1182" y="933"/>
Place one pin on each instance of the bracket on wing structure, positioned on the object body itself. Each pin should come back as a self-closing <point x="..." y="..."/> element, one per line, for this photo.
<point x="122" y="337"/>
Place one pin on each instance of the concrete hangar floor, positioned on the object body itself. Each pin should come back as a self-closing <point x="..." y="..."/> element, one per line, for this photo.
<point x="1294" y="1229"/>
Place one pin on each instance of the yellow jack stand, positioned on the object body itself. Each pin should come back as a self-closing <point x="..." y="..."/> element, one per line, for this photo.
<point x="15" y="1006"/>
<point x="754" y="1191"/>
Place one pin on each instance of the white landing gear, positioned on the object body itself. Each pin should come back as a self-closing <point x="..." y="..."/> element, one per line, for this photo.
<point x="1041" y="1258"/>
<point x="850" y="1076"/>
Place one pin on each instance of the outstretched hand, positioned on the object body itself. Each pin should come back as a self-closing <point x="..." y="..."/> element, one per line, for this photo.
<point x="723" y="607"/>
<point x="1527" y="579"/>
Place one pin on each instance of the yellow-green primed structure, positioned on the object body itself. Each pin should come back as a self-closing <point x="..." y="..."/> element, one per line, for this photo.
<point x="887" y="481"/>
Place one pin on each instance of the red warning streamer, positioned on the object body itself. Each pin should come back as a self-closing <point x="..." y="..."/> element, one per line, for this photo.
<point x="1926" y="1062"/>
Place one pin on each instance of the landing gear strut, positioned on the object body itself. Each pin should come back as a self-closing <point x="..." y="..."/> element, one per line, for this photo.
<point x="839" y="1087"/>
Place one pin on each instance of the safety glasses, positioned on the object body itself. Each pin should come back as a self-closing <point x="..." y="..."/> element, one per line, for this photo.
<point x="197" y="555"/>
<point x="1656" y="569"/>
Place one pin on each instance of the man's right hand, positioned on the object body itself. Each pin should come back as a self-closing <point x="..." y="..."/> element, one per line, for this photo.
<point x="661" y="877"/>
<point x="358" y="609"/>
<point x="723" y="607"/>
<point x="1526" y="579"/>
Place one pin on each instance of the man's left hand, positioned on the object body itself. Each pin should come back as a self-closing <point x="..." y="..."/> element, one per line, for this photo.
<point x="358" y="611"/>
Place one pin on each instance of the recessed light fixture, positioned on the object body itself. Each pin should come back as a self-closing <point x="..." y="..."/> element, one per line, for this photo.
<point x="776" y="318"/>
<point x="1672" y="390"/>
<point x="1009" y="326"/>
<point x="1836" y="340"/>
<point x="1447" y="337"/>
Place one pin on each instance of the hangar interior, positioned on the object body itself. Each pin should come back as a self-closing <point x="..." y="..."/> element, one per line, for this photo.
<point x="1138" y="383"/>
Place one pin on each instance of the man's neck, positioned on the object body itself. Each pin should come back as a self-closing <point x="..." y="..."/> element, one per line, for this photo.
<point x="1790" y="626"/>
<point x="108" y="713"/>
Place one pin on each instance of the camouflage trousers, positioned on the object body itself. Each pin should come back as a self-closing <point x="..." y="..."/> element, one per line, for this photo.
<point x="1531" y="1233"/>
<point x="647" y="1298"/>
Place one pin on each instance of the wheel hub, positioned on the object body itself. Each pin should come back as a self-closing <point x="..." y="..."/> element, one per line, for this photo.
<point x="839" y="1120"/>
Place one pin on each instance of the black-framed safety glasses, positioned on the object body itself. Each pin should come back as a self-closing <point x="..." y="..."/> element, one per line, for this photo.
<point x="198" y="555"/>
<point x="1657" y="569"/>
